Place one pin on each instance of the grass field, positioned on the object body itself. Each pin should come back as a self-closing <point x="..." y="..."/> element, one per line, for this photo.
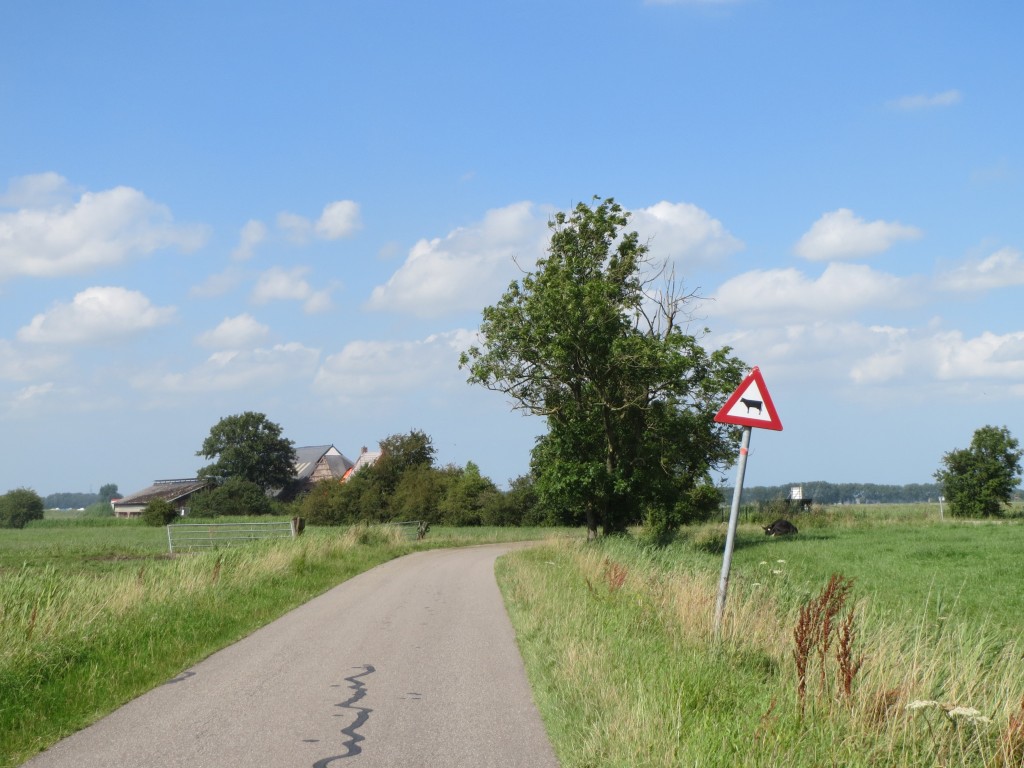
<point x="93" y="614"/>
<point x="627" y="671"/>
<point x="617" y="638"/>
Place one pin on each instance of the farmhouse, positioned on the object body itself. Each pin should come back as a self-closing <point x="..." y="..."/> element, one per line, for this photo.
<point x="366" y="458"/>
<point x="177" y="492"/>
<point x="314" y="463"/>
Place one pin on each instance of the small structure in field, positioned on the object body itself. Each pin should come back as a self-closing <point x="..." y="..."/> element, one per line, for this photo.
<point x="177" y="492"/>
<point x="796" y="498"/>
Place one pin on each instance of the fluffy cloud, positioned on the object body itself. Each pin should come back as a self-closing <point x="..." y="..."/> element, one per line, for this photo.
<point x="339" y="219"/>
<point x="842" y="235"/>
<point x="234" y="333"/>
<point x="683" y="233"/>
<point x="471" y="265"/>
<point x="50" y="237"/>
<point x="235" y="370"/>
<point x="785" y="294"/>
<point x="253" y="233"/>
<point x="382" y="369"/>
<point x="96" y="315"/>
<point x="926" y="101"/>
<point x="943" y="355"/>
<point x="467" y="268"/>
<point x="1002" y="269"/>
<point x="278" y="284"/>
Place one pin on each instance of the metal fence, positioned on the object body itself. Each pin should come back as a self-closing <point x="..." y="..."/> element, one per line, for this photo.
<point x="414" y="529"/>
<point x="188" y="536"/>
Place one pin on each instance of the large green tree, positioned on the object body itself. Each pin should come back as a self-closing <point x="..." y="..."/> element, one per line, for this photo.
<point x="980" y="481"/>
<point x="595" y="340"/>
<point x="249" y="446"/>
<point x="19" y="506"/>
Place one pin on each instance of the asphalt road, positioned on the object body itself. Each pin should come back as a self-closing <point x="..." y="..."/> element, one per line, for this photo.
<point x="413" y="663"/>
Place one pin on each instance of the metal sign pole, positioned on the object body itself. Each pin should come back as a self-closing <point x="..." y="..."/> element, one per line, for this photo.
<point x="730" y="539"/>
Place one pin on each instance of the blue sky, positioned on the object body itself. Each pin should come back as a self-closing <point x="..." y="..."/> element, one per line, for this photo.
<point x="301" y="209"/>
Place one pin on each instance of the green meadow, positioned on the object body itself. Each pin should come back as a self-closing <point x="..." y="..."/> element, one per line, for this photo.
<point x="94" y="613"/>
<point x="919" y="663"/>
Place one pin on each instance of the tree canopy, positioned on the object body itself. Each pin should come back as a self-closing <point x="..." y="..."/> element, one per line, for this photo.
<point x="594" y="340"/>
<point x="980" y="480"/>
<point x="249" y="446"/>
<point x="19" y="506"/>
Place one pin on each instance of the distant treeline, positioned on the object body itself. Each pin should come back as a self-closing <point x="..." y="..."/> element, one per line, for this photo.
<point x="841" y="493"/>
<point x="70" y="500"/>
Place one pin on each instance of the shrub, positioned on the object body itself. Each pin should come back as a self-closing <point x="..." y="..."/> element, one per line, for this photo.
<point x="19" y="506"/>
<point x="324" y="504"/>
<point x="235" y="496"/>
<point x="159" y="512"/>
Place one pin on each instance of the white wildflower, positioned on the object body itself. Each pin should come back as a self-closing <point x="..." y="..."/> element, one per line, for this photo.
<point x="763" y="562"/>
<point x="922" y="704"/>
<point x="776" y="572"/>
<point x="780" y="561"/>
<point x="969" y="712"/>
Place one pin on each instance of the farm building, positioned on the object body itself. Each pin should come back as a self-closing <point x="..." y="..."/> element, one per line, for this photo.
<point x="366" y="458"/>
<point x="314" y="463"/>
<point x="177" y="492"/>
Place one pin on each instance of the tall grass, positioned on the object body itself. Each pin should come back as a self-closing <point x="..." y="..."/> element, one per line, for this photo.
<point x="93" y="613"/>
<point x="627" y="672"/>
<point x="76" y="644"/>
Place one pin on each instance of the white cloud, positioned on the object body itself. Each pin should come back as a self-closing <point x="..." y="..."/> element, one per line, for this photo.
<point x="787" y="294"/>
<point x="48" y="237"/>
<point x="944" y="356"/>
<point x="234" y="370"/>
<point x="38" y="190"/>
<point x="339" y="219"/>
<point x="365" y="370"/>
<point x="842" y="235"/>
<point x="1002" y="269"/>
<point x="468" y="267"/>
<point x="96" y="315"/>
<point x="234" y="333"/>
<point x="253" y="233"/>
<point x="683" y="233"/>
<point x="277" y="284"/>
<point x="927" y="101"/>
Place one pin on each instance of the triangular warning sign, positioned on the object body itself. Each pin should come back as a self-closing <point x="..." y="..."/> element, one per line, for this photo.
<point x="750" y="405"/>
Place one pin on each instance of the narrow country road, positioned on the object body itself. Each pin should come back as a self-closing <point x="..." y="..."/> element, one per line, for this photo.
<point x="413" y="663"/>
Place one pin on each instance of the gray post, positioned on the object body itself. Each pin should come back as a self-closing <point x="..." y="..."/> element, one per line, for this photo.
<point x="730" y="538"/>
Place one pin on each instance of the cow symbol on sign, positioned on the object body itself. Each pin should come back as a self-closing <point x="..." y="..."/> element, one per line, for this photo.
<point x="751" y="404"/>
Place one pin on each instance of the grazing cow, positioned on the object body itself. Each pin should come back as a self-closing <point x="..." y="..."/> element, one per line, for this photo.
<point x="780" y="528"/>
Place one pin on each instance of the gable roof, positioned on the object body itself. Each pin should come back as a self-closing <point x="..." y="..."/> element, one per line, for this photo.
<point x="366" y="459"/>
<point x="168" y="490"/>
<point x="307" y="458"/>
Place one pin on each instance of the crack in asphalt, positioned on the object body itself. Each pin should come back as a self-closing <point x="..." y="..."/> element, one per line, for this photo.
<point x="351" y="744"/>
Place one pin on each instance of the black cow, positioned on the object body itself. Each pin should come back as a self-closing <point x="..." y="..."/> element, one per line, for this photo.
<point x="780" y="528"/>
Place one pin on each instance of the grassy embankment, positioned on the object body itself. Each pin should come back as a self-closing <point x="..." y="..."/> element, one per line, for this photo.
<point x="94" y="612"/>
<point x="620" y="651"/>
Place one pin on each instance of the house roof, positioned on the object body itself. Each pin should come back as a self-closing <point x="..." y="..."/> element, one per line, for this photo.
<point x="168" y="490"/>
<point x="366" y="459"/>
<point x="307" y="457"/>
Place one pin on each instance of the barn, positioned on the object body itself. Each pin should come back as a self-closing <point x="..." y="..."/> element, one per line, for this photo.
<point x="177" y="492"/>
